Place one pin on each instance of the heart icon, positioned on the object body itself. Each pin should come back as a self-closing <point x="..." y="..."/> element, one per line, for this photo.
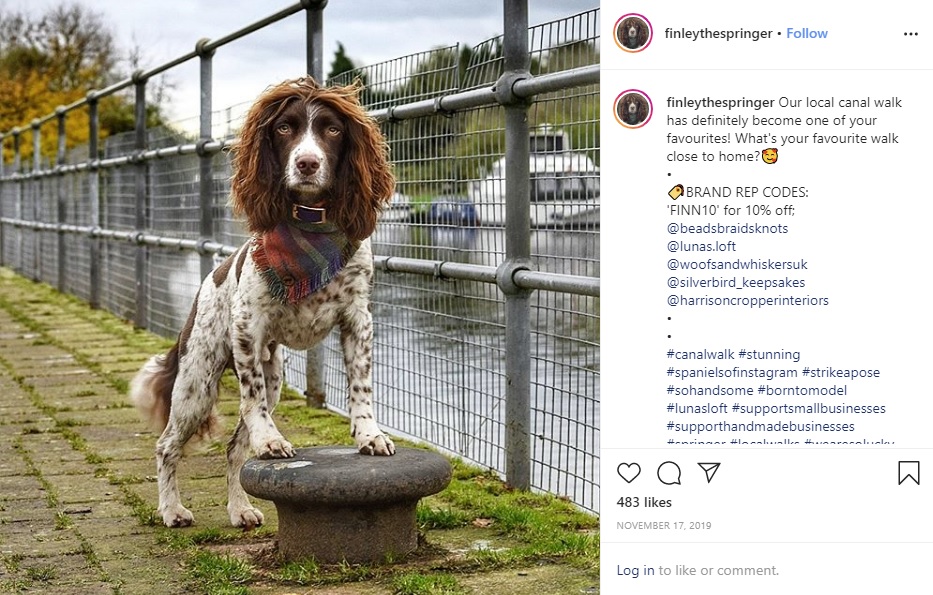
<point x="628" y="471"/>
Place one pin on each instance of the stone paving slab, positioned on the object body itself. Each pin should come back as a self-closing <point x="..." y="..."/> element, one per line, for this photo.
<point x="63" y="527"/>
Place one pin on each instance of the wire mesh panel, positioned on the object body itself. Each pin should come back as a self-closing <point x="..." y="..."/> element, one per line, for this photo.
<point x="13" y="236"/>
<point x="118" y="212"/>
<point x="440" y="347"/>
<point x="9" y="203"/>
<point x="429" y="384"/>
<point x="424" y="75"/>
<point x="565" y="396"/>
<point x="174" y="275"/>
<point x="78" y="211"/>
<point x="228" y="229"/>
<point x="439" y="363"/>
<point x="45" y="244"/>
<point x="28" y="241"/>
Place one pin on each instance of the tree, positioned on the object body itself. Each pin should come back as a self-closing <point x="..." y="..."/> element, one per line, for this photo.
<point x="121" y="116"/>
<point x="341" y="64"/>
<point x="54" y="60"/>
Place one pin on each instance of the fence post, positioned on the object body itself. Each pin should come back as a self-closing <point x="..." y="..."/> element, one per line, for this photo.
<point x="314" y="12"/>
<point x="18" y="196"/>
<point x="94" y="196"/>
<point x="517" y="247"/>
<point x="142" y="204"/>
<point x="60" y="200"/>
<point x="314" y="357"/>
<point x="2" y="184"/>
<point x="206" y="170"/>
<point x="36" y="194"/>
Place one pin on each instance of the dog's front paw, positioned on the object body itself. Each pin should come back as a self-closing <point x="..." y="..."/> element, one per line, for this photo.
<point x="247" y="518"/>
<point x="380" y="444"/>
<point x="178" y="516"/>
<point x="276" y="448"/>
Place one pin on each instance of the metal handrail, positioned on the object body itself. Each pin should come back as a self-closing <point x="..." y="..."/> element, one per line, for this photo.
<point x="442" y="269"/>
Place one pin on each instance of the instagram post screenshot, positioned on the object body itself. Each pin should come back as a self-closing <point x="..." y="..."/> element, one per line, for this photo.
<point x="314" y="297"/>
<point x="766" y="411"/>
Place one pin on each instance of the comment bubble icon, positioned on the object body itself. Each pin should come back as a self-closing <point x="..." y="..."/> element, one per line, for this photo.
<point x="669" y="473"/>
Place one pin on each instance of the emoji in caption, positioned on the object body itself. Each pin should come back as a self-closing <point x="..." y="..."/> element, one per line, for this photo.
<point x="676" y="192"/>
<point x="769" y="156"/>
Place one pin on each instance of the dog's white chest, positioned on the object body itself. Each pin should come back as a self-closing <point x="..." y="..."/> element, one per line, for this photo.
<point x="304" y="325"/>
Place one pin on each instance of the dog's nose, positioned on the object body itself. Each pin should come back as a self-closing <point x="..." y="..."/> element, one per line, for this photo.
<point x="308" y="164"/>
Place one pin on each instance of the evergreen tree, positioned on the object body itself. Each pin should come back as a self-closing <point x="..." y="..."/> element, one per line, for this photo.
<point x="341" y="64"/>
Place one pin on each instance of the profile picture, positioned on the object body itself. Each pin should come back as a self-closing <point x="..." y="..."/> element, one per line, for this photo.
<point x="633" y="32"/>
<point x="633" y="108"/>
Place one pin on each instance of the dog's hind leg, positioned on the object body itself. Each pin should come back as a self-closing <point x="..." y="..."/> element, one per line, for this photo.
<point x="242" y="513"/>
<point x="193" y="399"/>
<point x="168" y="453"/>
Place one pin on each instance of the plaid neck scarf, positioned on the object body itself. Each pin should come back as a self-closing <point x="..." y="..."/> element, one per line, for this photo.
<point x="298" y="258"/>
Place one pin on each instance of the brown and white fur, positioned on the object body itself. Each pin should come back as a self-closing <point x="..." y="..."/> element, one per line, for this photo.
<point x="632" y="32"/>
<point x="633" y="109"/>
<point x="300" y="144"/>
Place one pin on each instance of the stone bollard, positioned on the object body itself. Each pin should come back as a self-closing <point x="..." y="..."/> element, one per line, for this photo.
<point x="335" y="504"/>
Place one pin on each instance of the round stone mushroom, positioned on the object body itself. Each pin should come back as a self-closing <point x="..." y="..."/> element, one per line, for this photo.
<point x="335" y="504"/>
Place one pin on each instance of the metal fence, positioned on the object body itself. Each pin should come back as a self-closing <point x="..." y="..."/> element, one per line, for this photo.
<point x="487" y="293"/>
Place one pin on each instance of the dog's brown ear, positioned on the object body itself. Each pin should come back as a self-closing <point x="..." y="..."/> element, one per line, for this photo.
<point x="258" y="187"/>
<point x="642" y="109"/>
<point x="364" y="181"/>
<point x="642" y="34"/>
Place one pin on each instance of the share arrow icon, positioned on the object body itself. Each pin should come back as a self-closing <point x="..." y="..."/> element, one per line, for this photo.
<point x="710" y="469"/>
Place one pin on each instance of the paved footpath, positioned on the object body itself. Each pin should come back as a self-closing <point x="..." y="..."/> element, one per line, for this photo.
<point x="74" y="460"/>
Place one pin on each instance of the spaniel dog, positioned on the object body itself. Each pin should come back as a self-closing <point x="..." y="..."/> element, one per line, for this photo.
<point x="311" y="175"/>
<point x="633" y="109"/>
<point x="632" y="33"/>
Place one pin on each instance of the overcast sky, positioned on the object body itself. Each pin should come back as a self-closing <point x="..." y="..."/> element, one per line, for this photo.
<point x="371" y="31"/>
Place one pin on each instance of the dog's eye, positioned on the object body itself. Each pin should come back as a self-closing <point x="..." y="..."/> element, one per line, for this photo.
<point x="283" y="129"/>
<point x="334" y="131"/>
